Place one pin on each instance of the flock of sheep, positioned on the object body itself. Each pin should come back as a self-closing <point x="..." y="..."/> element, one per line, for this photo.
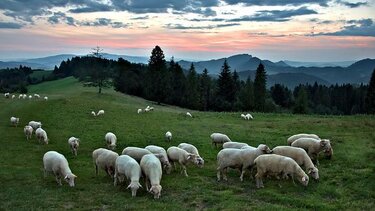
<point x="24" y="96"/>
<point x="150" y="162"/>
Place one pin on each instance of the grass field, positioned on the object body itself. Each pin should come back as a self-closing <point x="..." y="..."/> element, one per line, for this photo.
<point x="347" y="182"/>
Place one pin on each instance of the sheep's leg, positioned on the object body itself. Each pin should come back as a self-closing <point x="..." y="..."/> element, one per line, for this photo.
<point x="146" y="183"/>
<point x="58" y="180"/>
<point x="184" y="170"/>
<point x="242" y="173"/>
<point x="45" y="173"/>
<point x="96" y="170"/>
<point x="225" y="174"/>
<point x="115" y="178"/>
<point x="293" y="180"/>
<point x="258" y="179"/>
<point x="218" y="173"/>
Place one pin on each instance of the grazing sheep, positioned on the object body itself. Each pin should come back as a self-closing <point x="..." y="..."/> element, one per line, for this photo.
<point x="28" y="130"/>
<point x="313" y="147"/>
<point x="104" y="159"/>
<point x="93" y="113"/>
<point x="189" y="114"/>
<point x="328" y="153"/>
<point x="135" y="152"/>
<point x="248" y="116"/>
<point x="74" y="144"/>
<point x="100" y="112"/>
<point x="300" y="156"/>
<point x="6" y="95"/>
<point x="193" y="150"/>
<point x="24" y="96"/>
<point x="139" y="110"/>
<point x="110" y="139"/>
<point x="219" y="138"/>
<point x="41" y="135"/>
<point x="278" y="165"/>
<point x="156" y="150"/>
<point x="45" y="98"/>
<point x="292" y="138"/>
<point x="239" y="159"/>
<point x="126" y="166"/>
<point x="151" y="169"/>
<point x="35" y="124"/>
<point x="243" y="116"/>
<point x="13" y="96"/>
<point x="235" y="145"/>
<point x="57" y="164"/>
<point x="30" y="97"/>
<point x="168" y="136"/>
<point x="179" y="155"/>
<point x="36" y="95"/>
<point x="147" y="110"/>
<point x="151" y="108"/>
<point x="20" y="96"/>
<point x="14" y="121"/>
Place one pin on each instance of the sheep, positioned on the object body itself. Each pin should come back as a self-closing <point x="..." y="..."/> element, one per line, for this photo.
<point x="57" y="164"/>
<point x="126" y="166"/>
<point x="156" y="150"/>
<point x="110" y="139"/>
<point x="139" y="110"/>
<point x="147" y="110"/>
<point x="238" y="158"/>
<point x="168" y="136"/>
<point x="35" y="124"/>
<point x="219" y="138"/>
<point x="100" y="112"/>
<point x="6" y="95"/>
<point x="313" y="147"/>
<point x="193" y="150"/>
<point x="179" y="155"/>
<point x="20" y="96"/>
<point x="13" y="96"/>
<point x="24" y="96"/>
<point x="104" y="159"/>
<point x="292" y="138"/>
<point x="137" y="153"/>
<point x="300" y="156"/>
<point x="189" y="114"/>
<point x="14" y="121"/>
<point x="235" y="145"/>
<point x="74" y="144"/>
<point x="28" y="130"/>
<point x="93" y="113"/>
<point x="243" y="116"/>
<point x="278" y="165"/>
<point x="151" y="108"/>
<point x="30" y="97"/>
<point x="41" y="135"/>
<point x="151" y="169"/>
<point x="36" y="95"/>
<point x="45" y="98"/>
<point x="248" y="116"/>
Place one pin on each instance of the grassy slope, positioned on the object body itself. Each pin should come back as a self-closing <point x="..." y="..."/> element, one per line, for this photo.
<point x="347" y="181"/>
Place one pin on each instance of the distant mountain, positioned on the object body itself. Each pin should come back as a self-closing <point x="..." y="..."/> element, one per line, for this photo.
<point x="318" y="64"/>
<point x="50" y="61"/>
<point x="4" y="65"/>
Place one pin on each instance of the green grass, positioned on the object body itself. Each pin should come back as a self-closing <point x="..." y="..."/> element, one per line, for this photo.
<point x="347" y="181"/>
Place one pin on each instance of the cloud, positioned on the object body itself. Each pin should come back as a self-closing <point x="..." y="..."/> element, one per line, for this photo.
<point x="104" y="22"/>
<point x="352" y="5"/>
<point x="364" y="27"/>
<point x="60" y="17"/>
<point x="277" y="2"/>
<point x="180" y="26"/>
<point x="10" y="25"/>
<point x="275" y="15"/>
<point x="141" y="18"/>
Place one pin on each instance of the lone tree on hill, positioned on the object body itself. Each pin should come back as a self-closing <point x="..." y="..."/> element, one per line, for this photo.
<point x="99" y="76"/>
<point x="370" y="96"/>
<point x="260" y="88"/>
<point x="157" y="72"/>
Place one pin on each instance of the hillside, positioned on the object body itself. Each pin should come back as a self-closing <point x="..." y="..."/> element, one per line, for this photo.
<point x="346" y="181"/>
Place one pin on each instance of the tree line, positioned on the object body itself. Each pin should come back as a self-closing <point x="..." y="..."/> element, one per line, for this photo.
<point x="167" y="83"/>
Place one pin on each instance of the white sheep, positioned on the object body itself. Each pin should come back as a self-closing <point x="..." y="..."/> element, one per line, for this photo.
<point x="235" y="145"/>
<point x="104" y="159"/>
<point x="278" y="165"/>
<point x="179" y="155"/>
<point x="126" y="166"/>
<point x="151" y="108"/>
<point x="147" y="110"/>
<point x="152" y="171"/>
<point x="139" y="110"/>
<point x="93" y="113"/>
<point x="157" y="150"/>
<point x="189" y="114"/>
<point x="20" y="96"/>
<point x="219" y="138"/>
<point x="14" y="121"/>
<point x="168" y="136"/>
<point x="6" y="95"/>
<point x="35" y="124"/>
<point x="100" y="112"/>
<point x="313" y="147"/>
<point x="36" y="95"/>
<point x="28" y="130"/>
<point x="30" y="97"/>
<point x="13" y="96"/>
<point x="193" y="150"/>
<point x="41" y="135"/>
<point x="111" y="140"/>
<point x="45" y="98"/>
<point x="24" y="96"/>
<point x="300" y="156"/>
<point x="292" y="138"/>
<point x="243" y="116"/>
<point x="238" y="158"/>
<point x="248" y="116"/>
<point x="74" y="144"/>
<point x="57" y="164"/>
<point x="135" y="152"/>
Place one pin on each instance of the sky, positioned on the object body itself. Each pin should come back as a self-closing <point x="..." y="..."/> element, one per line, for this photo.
<point x="299" y="30"/>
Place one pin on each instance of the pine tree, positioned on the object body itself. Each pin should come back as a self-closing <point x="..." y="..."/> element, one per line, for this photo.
<point x="260" y="88"/>
<point x="178" y="84"/>
<point x="370" y="96"/>
<point x="301" y="102"/>
<point x="157" y="85"/>
<point x="205" y="90"/>
<point x="225" y="87"/>
<point x="192" y="94"/>
<point x="246" y="95"/>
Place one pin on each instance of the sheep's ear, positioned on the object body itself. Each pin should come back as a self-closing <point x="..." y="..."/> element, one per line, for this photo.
<point x="128" y="186"/>
<point x="309" y="171"/>
<point x="74" y="175"/>
<point x="66" y="177"/>
<point x="189" y="157"/>
<point x="323" y="143"/>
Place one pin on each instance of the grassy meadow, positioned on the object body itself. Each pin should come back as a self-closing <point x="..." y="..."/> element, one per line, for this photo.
<point x="347" y="182"/>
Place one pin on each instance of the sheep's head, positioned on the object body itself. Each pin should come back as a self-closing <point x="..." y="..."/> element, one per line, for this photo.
<point x="325" y="144"/>
<point x="200" y="161"/>
<point x="264" y="148"/>
<point x="134" y="186"/>
<point x="304" y="180"/>
<point x="193" y="158"/>
<point x="156" y="191"/>
<point x="328" y="152"/>
<point x="69" y="178"/>
<point x="314" y="172"/>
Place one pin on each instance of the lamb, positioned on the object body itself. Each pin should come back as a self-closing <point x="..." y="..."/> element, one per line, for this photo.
<point x="57" y="164"/>
<point x="179" y="155"/>
<point x="193" y="150"/>
<point x="45" y="98"/>
<point x="93" y="113"/>
<point x="35" y="124"/>
<point x="110" y="139"/>
<point x="219" y="138"/>
<point x="238" y="158"/>
<point x="104" y="159"/>
<point x="139" y="111"/>
<point x="156" y="150"/>
<point x="74" y="144"/>
<point x="248" y="116"/>
<point x="189" y="114"/>
<point x="41" y="135"/>
<point x="14" y="121"/>
<point x="300" y="156"/>
<point x="151" y="169"/>
<point x="313" y="147"/>
<point x="126" y="166"/>
<point x="292" y="138"/>
<point x="278" y="165"/>
<point x="100" y="112"/>
<point x="28" y="130"/>
<point x="168" y="136"/>
<point x="235" y="145"/>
